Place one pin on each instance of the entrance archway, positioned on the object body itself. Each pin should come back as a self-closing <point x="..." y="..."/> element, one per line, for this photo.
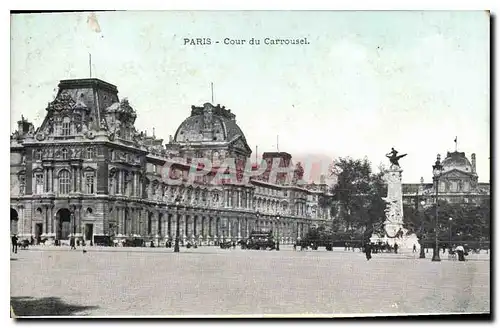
<point x="14" y="220"/>
<point x="63" y="224"/>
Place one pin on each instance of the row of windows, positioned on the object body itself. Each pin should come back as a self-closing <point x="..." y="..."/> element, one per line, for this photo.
<point x="269" y="191"/>
<point x="90" y="153"/>
<point x="64" y="183"/>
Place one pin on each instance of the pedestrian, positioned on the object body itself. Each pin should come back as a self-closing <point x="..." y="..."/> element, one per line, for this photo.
<point x="460" y="252"/>
<point x="396" y="248"/>
<point x="294" y="246"/>
<point x="72" y="242"/>
<point x="14" y="244"/>
<point x="32" y="240"/>
<point x="368" y="251"/>
<point x="414" y="248"/>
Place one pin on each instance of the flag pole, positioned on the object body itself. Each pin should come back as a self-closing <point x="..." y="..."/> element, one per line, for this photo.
<point x="212" y="88"/>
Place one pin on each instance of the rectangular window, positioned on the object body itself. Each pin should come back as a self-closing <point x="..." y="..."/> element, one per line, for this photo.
<point x="65" y="129"/>
<point x="39" y="183"/>
<point x="89" y="183"/>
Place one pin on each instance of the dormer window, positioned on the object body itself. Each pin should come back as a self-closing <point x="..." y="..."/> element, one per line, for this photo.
<point x="65" y="130"/>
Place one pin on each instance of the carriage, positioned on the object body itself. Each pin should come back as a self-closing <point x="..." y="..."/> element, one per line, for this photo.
<point x="261" y="239"/>
<point x="225" y="244"/>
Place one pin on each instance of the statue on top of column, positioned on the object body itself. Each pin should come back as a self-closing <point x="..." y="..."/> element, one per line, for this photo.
<point x="394" y="157"/>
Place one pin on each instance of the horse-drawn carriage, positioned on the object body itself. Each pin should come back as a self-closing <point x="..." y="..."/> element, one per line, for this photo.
<point x="261" y="239"/>
<point x="23" y="244"/>
<point x="225" y="244"/>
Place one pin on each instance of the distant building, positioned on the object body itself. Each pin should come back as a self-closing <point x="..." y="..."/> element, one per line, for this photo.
<point x="87" y="171"/>
<point x="458" y="183"/>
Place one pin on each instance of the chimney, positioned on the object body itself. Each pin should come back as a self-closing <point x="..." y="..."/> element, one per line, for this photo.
<point x="473" y="157"/>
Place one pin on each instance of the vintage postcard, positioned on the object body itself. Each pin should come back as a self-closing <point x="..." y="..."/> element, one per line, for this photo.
<point x="250" y="163"/>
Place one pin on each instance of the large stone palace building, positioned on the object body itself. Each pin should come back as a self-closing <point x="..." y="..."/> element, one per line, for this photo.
<point x="87" y="171"/>
<point x="458" y="183"/>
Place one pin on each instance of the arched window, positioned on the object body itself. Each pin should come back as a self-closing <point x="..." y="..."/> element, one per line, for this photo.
<point x="64" y="153"/>
<point x="65" y="130"/>
<point x="64" y="182"/>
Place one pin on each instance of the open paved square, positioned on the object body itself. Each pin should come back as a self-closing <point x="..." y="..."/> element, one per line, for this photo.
<point x="211" y="281"/>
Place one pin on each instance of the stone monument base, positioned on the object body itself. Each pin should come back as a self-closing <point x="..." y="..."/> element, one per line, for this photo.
<point x="404" y="242"/>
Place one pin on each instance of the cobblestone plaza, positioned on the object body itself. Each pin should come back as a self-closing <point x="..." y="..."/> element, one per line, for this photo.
<point x="212" y="281"/>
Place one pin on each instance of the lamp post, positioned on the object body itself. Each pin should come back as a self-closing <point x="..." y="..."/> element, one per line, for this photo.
<point x="450" y="220"/>
<point x="258" y="219"/>
<point x="278" y="232"/>
<point x="177" y="226"/>
<point x="422" y="216"/>
<point x="437" y="169"/>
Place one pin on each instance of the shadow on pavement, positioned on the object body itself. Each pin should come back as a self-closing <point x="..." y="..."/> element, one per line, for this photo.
<point x="46" y="306"/>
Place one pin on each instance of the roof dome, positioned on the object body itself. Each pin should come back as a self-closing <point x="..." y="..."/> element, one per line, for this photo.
<point x="458" y="161"/>
<point x="208" y="124"/>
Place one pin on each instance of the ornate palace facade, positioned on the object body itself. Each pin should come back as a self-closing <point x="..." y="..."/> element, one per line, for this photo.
<point x="457" y="184"/>
<point x="86" y="171"/>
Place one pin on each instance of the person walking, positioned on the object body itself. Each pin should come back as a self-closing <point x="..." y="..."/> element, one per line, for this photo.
<point x="396" y="248"/>
<point x="14" y="244"/>
<point x="368" y="251"/>
<point x="414" y="248"/>
<point x="72" y="242"/>
<point x="461" y="253"/>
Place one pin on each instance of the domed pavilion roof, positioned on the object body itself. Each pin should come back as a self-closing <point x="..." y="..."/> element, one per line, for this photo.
<point x="456" y="161"/>
<point x="208" y="124"/>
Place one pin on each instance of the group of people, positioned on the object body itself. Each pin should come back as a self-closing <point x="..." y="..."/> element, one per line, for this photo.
<point x="16" y="243"/>
<point x="370" y="247"/>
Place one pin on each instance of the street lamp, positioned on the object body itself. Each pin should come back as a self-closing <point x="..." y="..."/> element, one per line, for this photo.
<point x="177" y="228"/>
<point x="422" y="214"/>
<point x="450" y="220"/>
<point x="258" y="220"/>
<point x="278" y="232"/>
<point x="437" y="169"/>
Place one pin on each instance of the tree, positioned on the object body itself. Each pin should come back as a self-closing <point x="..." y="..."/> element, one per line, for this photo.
<point x="359" y="196"/>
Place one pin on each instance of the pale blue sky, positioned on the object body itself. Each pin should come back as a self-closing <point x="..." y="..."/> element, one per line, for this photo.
<point x="366" y="82"/>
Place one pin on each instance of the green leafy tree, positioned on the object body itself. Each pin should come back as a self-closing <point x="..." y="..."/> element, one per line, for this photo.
<point x="358" y="197"/>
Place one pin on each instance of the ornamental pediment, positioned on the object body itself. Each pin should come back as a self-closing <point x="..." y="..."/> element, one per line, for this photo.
<point x="63" y="102"/>
<point x="455" y="174"/>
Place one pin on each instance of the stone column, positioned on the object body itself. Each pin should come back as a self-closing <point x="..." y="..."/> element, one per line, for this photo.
<point x="134" y="184"/>
<point x="80" y="223"/>
<point x="195" y="226"/>
<point x="183" y="226"/>
<point x="119" y="176"/>
<point x="79" y="179"/>
<point x="239" y="228"/>
<point x="51" y="219"/>
<point x="173" y="229"/>
<point x="122" y="220"/>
